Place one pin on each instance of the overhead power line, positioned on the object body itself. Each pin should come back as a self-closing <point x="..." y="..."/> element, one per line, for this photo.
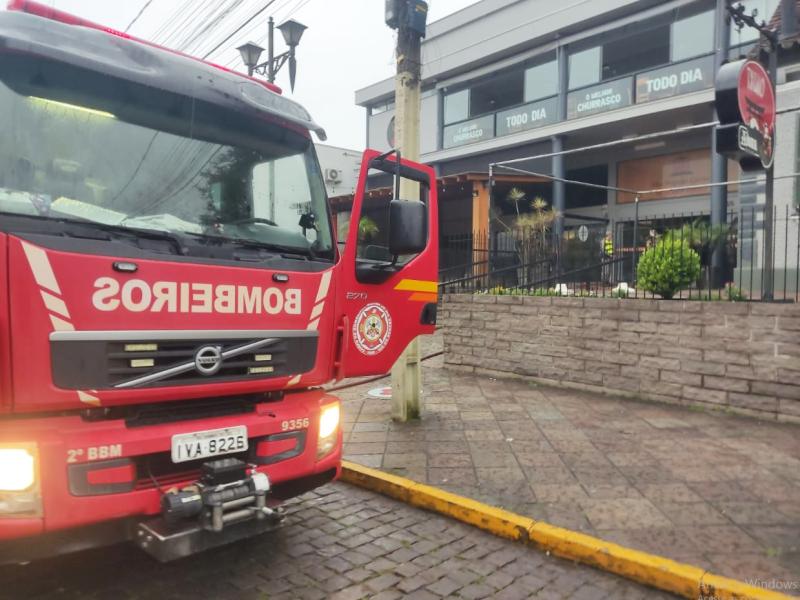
<point x="238" y="29"/>
<point x="290" y="10"/>
<point x="204" y="28"/>
<point x="297" y="8"/>
<point x="141" y="12"/>
<point x="182" y="22"/>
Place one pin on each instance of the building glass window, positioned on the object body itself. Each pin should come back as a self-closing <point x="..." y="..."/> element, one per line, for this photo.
<point x="541" y="81"/>
<point x="584" y="67"/>
<point x="381" y="108"/>
<point x="692" y="36"/>
<point x="498" y="92"/>
<point x="637" y="52"/>
<point x="456" y="106"/>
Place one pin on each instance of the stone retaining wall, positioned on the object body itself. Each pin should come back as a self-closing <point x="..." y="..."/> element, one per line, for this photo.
<point x="743" y="357"/>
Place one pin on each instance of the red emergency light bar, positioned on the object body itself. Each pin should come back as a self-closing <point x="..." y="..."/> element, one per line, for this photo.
<point x="40" y="10"/>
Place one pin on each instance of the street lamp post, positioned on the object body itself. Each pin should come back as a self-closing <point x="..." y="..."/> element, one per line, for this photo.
<point x="250" y="52"/>
<point x="740" y="18"/>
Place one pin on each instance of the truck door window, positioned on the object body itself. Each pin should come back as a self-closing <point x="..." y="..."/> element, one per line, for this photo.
<point x="282" y="197"/>
<point x="373" y="227"/>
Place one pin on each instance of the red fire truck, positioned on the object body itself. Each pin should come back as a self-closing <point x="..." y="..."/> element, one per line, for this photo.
<point x="173" y="296"/>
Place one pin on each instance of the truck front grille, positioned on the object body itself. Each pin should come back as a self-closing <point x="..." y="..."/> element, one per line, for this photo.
<point x="92" y="360"/>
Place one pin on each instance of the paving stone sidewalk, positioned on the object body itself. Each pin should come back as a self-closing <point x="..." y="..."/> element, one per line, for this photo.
<point x="339" y="543"/>
<point x="715" y="490"/>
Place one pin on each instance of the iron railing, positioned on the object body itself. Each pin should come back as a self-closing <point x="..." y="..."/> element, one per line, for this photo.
<point x="535" y="262"/>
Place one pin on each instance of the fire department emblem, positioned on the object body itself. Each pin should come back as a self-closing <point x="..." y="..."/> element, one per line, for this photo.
<point x="372" y="329"/>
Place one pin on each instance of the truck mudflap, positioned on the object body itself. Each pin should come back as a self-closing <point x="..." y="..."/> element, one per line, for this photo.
<point x="228" y="503"/>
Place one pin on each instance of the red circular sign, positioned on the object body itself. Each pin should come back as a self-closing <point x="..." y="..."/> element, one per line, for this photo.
<point x="757" y="110"/>
<point x="756" y="98"/>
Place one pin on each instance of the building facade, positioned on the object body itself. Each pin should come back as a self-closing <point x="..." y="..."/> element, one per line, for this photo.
<point x="506" y="80"/>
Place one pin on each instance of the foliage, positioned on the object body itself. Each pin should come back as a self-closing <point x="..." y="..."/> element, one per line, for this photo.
<point x="540" y="219"/>
<point x="668" y="267"/>
<point x="702" y="237"/>
<point x="367" y="229"/>
<point x="735" y="294"/>
<point x="500" y="290"/>
<point x="516" y="195"/>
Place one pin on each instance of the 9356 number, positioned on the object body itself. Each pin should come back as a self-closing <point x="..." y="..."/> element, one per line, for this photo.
<point x="294" y="424"/>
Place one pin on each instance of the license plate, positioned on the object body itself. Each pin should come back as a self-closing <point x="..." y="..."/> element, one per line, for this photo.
<point x="202" y="444"/>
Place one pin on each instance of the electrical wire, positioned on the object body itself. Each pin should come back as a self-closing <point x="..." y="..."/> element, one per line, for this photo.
<point x="166" y="26"/>
<point x="202" y="29"/>
<point x="296" y="9"/>
<point x="261" y="40"/>
<point x="139" y="14"/>
<point x="181" y="23"/>
<point x="201" y="14"/>
<point x="238" y="29"/>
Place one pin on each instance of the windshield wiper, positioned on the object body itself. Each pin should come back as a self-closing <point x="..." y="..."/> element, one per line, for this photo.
<point x="154" y="234"/>
<point x="285" y="251"/>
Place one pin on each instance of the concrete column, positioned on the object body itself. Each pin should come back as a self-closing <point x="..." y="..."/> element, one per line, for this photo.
<point x="558" y="170"/>
<point x="559" y="188"/>
<point x="480" y="226"/>
<point x="719" y="163"/>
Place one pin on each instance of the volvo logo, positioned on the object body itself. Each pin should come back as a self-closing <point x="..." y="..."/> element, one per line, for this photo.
<point x="208" y="360"/>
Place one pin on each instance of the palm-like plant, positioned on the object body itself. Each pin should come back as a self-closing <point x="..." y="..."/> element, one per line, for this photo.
<point x="367" y="229"/>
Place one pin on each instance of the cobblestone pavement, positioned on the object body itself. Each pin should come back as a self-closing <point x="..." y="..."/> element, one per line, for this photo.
<point x="338" y="543"/>
<point x="715" y="490"/>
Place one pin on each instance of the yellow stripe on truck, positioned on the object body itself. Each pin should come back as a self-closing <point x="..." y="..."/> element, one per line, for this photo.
<point x="415" y="285"/>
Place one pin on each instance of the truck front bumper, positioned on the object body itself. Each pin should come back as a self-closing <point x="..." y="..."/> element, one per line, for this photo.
<point x="98" y="480"/>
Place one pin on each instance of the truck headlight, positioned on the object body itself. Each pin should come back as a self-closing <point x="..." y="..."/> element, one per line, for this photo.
<point x="328" y="420"/>
<point x="328" y="430"/>
<point x="17" y="469"/>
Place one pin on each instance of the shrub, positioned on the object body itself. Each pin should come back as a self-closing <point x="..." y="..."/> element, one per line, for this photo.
<point x="735" y="294"/>
<point x="668" y="267"/>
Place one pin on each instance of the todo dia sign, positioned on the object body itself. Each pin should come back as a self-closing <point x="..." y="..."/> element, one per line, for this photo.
<point x="745" y="103"/>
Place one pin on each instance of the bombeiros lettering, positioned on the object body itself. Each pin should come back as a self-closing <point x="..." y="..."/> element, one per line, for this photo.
<point x="136" y="295"/>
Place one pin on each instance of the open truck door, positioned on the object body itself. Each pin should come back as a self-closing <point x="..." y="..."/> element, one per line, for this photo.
<point x="388" y="287"/>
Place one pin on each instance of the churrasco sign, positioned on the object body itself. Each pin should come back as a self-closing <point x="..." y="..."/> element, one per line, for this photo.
<point x="600" y="98"/>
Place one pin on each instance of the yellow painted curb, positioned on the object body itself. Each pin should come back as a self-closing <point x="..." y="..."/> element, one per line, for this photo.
<point x="656" y="571"/>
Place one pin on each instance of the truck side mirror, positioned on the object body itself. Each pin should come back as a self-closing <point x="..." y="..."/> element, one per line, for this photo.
<point x="408" y="227"/>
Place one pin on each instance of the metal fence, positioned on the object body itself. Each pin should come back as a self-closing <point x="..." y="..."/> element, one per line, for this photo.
<point x="688" y="259"/>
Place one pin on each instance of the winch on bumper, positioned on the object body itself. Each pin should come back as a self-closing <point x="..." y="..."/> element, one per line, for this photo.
<point x="228" y="503"/>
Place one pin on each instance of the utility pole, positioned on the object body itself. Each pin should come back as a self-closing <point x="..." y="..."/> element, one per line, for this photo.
<point x="406" y="16"/>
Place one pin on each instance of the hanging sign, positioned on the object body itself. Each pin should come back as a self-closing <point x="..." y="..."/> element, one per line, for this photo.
<point x="745" y="103"/>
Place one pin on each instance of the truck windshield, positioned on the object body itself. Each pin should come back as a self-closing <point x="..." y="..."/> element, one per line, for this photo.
<point x="78" y="146"/>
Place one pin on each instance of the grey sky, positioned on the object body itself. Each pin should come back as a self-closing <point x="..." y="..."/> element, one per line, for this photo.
<point x="347" y="45"/>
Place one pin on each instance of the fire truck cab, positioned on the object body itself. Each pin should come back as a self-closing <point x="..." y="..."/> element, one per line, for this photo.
<point x="173" y="296"/>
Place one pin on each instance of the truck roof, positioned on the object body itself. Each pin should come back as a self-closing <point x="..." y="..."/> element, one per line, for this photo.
<point x="37" y="30"/>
